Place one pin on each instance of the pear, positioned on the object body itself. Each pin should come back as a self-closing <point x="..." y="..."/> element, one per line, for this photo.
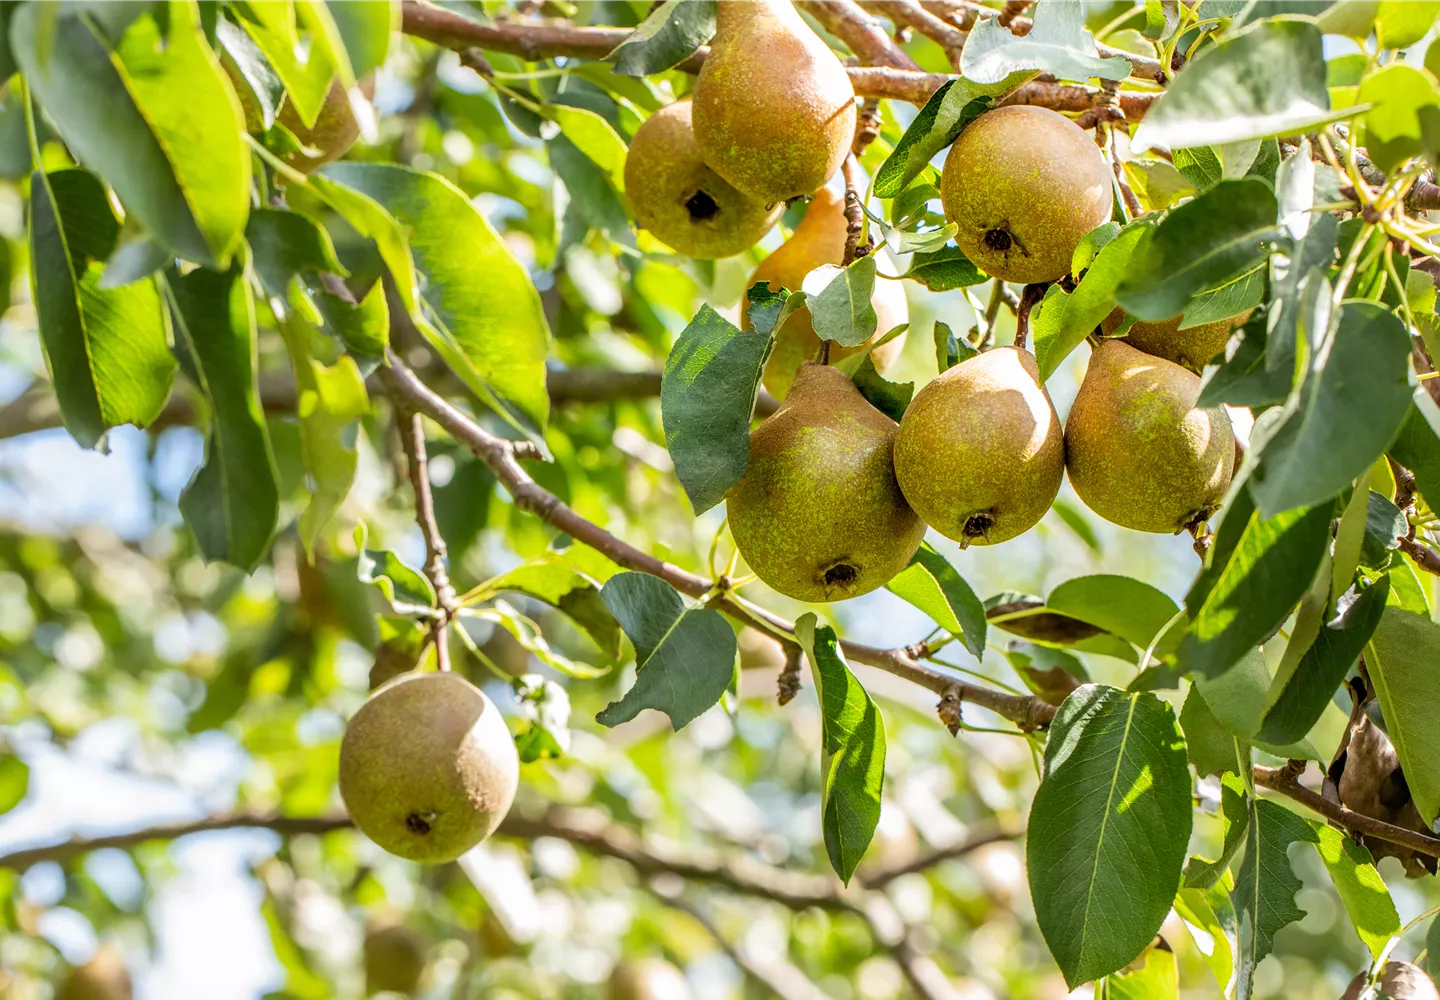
<point x="1398" y="981"/>
<point x="980" y="453"/>
<point x="820" y="239"/>
<point x="774" y="108"/>
<point x="1024" y="185"/>
<point x="818" y="514"/>
<point x="394" y="959"/>
<point x="334" y="132"/>
<point x="1192" y="347"/>
<point x="1139" y="453"/>
<point x="681" y="201"/>
<point x="104" y="977"/>
<point x="427" y="767"/>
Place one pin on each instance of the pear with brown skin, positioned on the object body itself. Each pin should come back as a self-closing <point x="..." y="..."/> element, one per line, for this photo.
<point x="1398" y="981"/>
<point x="681" y="201"/>
<point x="1193" y="347"/>
<point x="334" y="131"/>
<point x="818" y="515"/>
<point x="980" y="453"/>
<point x="1024" y="185"/>
<point x="1139" y="452"/>
<point x="427" y="767"/>
<point x="774" y="107"/>
<point x="820" y="239"/>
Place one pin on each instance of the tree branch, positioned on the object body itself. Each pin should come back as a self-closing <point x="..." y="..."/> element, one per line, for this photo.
<point x="1277" y="779"/>
<point x="860" y="32"/>
<point x="854" y="211"/>
<point x="924" y="862"/>
<point x="1425" y="557"/>
<point x="412" y="439"/>
<point x="910" y="14"/>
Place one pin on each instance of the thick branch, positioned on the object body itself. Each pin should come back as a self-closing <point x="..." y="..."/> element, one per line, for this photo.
<point x="864" y="35"/>
<point x="1425" y="557"/>
<point x="1278" y="780"/>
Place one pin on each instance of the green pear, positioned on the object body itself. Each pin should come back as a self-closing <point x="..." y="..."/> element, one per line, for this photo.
<point x="1193" y="347"/>
<point x="104" y="977"/>
<point x="682" y="202"/>
<point x="1139" y="452"/>
<point x="427" y="767"/>
<point x="980" y="453"/>
<point x="820" y="239"/>
<point x="1024" y="185"/>
<point x="774" y="108"/>
<point x="818" y="515"/>
<point x="394" y="959"/>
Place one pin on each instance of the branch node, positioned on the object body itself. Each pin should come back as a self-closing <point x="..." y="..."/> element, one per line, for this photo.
<point x="788" y="683"/>
<point x="949" y="708"/>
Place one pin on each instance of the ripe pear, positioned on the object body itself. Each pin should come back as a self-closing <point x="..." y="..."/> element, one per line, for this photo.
<point x="685" y="204"/>
<point x="820" y="239"/>
<point x="334" y="132"/>
<point x="427" y="767"/>
<point x="1139" y="453"/>
<point x="394" y="959"/>
<point x="1024" y="185"/>
<point x="774" y="108"/>
<point x="980" y="453"/>
<point x="104" y="977"/>
<point x="1398" y="981"/>
<point x="818" y="514"/>
<point x="1192" y="347"/>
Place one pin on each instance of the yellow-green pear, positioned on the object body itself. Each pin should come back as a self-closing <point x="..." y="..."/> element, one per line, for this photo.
<point x="334" y="132"/>
<point x="1193" y="347"/>
<point x="774" y="107"/>
<point x="1140" y="454"/>
<point x="427" y="767"/>
<point x="681" y="201"/>
<point x="818" y="515"/>
<point x="394" y="959"/>
<point x="1024" y="185"/>
<point x="820" y="239"/>
<point x="104" y="977"/>
<point x="980" y="453"/>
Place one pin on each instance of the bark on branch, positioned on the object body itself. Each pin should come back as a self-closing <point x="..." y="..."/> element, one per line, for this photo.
<point x="864" y="36"/>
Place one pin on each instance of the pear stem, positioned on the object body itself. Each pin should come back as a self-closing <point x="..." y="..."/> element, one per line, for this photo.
<point x="1028" y="297"/>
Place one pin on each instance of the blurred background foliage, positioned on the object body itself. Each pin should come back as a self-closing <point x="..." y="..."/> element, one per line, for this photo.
<point x="139" y="685"/>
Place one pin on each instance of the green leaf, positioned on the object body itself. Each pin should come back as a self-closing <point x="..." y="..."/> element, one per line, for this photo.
<point x="331" y="400"/>
<point x="1201" y="910"/>
<point x="1152" y="976"/>
<point x="950" y="350"/>
<point x="839" y="299"/>
<point x="594" y="200"/>
<point x="933" y="585"/>
<point x="890" y="398"/>
<point x="668" y="36"/>
<point x="478" y="308"/>
<point x="1361" y="889"/>
<point x="284" y="245"/>
<point x="1063" y="321"/>
<point x="1212" y="748"/>
<point x="1047" y="672"/>
<point x="369" y="218"/>
<point x="1235" y="824"/>
<point x="155" y="118"/>
<point x="1242" y="379"/>
<point x="545" y="715"/>
<point x="1230" y="298"/>
<point x="550" y="578"/>
<point x="706" y="397"/>
<point x="953" y="106"/>
<point x="1237" y="699"/>
<point x="1304" y="696"/>
<point x="365" y="27"/>
<point x="1133" y="610"/>
<point x="1266" y="80"/>
<point x="1077" y="521"/>
<point x="1108" y="829"/>
<point x="527" y="634"/>
<point x="945" y="269"/>
<point x="1058" y="44"/>
<point x="1273" y="564"/>
<point x="1200" y="166"/>
<point x="1265" y="886"/>
<point x="1350" y="407"/>
<point x="1401" y="656"/>
<point x="1399" y="24"/>
<point x="592" y="135"/>
<point x="852" y="760"/>
<point x="1405" y="119"/>
<point x="107" y="349"/>
<point x="1219" y="234"/>
<point x="232" y="503"/>
<point x="408" y="590"/>
<point x="1417" y="448"/>
<point x="297" y="57"/>
<point x="1385" y="526"/>
<point x="684" y="657"/>
<point x="14" y="781"/>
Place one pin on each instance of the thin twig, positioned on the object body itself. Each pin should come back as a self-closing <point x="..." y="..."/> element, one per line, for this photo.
<point x="924" y="862"/>
<point x="1284" y="781"/>
<point x="910" y="14"/>
<point x="854" y="211"/>
<point x="864" y="35"/>
<point x="412" y="439"/>
<point x="1425" y="557"/>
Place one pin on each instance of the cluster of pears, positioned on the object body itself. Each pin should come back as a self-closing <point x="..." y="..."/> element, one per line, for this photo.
<point x="427" y="766"/>
<point x="771" y="118"/>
